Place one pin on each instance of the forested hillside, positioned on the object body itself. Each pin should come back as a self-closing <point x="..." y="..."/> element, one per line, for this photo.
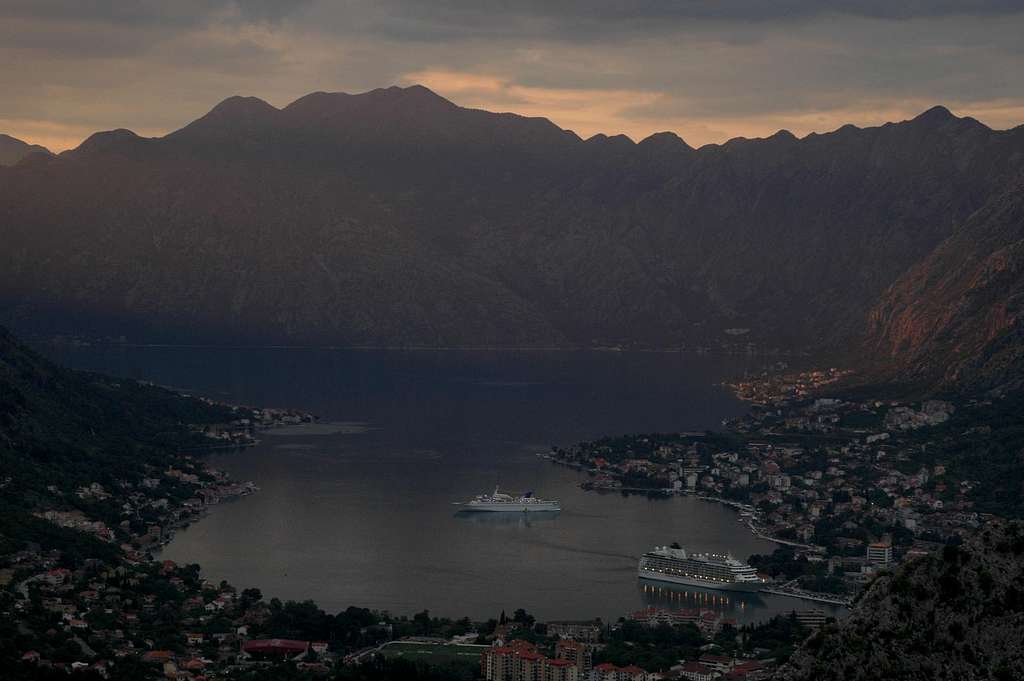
<point x="61" y="430"/>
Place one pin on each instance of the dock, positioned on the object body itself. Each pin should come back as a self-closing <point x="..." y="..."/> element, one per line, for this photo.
<point x="830" y="599"/>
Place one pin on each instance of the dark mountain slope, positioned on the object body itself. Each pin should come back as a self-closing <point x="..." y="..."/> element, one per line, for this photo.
<point x="61" y="429"/>
<point x="957" y="316"/>
<point x="13" y="150"/>
<point x="235" y="252"/>
<point x="397" y="218"/>
<point x="958" y="615"/>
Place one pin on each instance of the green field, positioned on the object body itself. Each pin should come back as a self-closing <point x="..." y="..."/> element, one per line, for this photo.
<point x="431" y="653"/>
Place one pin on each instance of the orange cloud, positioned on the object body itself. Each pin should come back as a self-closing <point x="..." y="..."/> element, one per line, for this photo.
<point x="585" y="111"/>
<point x="614" y="111"/>
<point x="589" y="111"/>
<point x="54" y="136"/>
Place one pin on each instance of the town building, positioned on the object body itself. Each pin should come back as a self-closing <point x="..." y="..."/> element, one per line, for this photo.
<point x="275" y="648"/>
<point x="607" y="671"/>
<point x="585" y="632"/>
<point x="575" y="652"/>
<point x="812" y="619"/>
<point x="880" y="554"/>
<point x="695" y="671"/>
<point x="520" y="661"/>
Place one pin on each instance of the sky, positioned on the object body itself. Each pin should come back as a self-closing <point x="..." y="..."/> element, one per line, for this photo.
<point x="708" y="70"/>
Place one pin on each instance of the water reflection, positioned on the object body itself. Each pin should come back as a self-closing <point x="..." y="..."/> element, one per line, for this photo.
<point x="672" y="597"/>
<point x="517" y="519"/>
<point x="367" y="519"/>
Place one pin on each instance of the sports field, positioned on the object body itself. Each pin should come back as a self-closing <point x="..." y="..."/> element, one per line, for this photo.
<point x="432" y="653"/>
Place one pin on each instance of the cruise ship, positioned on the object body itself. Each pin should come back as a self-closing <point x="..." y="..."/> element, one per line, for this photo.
<point x="501" y="502"/>
<point x="706" y="570"/>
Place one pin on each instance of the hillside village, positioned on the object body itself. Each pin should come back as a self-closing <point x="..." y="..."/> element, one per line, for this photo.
<point x="845" y="487"/>
<point x="110" y="609"/>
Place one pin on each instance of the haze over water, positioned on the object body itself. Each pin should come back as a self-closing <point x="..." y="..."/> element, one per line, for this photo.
<point x="358" y="510"/>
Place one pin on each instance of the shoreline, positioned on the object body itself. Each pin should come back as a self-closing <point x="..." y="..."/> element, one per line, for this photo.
<point x="774" y="589"/>
<point x="158" y="551"/>
<point x="669" y="492"/>
<point x="742" y="509"/>
<point x="696" y="350"/>
<point x="248" y="487"/>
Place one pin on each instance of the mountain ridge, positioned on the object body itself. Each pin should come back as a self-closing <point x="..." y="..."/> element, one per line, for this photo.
<point x="246" y="105"/>
<point x="13" y="150"/>
<point x="397" y="218"/>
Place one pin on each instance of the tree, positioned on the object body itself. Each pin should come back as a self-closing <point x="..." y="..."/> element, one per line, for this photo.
<point x="523" y="617"/>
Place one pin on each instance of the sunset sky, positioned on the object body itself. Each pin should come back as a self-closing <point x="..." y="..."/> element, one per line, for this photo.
<point x="707" y="70"/>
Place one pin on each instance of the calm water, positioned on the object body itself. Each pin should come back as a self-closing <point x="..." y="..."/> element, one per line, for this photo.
<point x="358" y="510"/>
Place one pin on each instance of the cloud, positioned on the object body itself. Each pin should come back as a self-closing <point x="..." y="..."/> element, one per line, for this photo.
<point x="611" y="19"/>
<point x="54" y="136"/>
<point x="639" y="114"/>
<point x="706" y="70"/>
<point x="584" y="111"/>
<point x="152" y="13"/>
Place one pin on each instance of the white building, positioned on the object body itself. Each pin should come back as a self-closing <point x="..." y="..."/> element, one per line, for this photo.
<point x="880" y="554"/>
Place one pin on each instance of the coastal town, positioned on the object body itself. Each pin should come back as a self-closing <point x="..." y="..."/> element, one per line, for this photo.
<point x="133" y="616"/>
<point x="845" y="487"/>
<point x="105" y="606"/>
<point x="157" y="619"/>
<point x="139" y="516"/>
<point x="840" y="485"/>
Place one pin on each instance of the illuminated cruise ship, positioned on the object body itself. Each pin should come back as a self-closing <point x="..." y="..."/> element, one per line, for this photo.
<point x="707" y="570"/>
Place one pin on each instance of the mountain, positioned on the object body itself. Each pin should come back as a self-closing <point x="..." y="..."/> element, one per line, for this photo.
<point x="958" y="316"/>
<point x="955" y="615"/>
<point x="396" y="218"/>
<point x="62" y="429"/>
<point x="13" y="150"/>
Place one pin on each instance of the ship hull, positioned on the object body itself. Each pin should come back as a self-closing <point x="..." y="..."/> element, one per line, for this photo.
<point x="512" y="508"/>
<point x="747" y="587"/>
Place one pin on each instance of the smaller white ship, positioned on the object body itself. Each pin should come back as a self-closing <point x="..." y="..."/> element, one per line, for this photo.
<point x="507" y="503"/>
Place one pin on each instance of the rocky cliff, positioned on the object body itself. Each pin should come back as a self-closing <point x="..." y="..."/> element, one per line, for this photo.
<point x="955" y="318"/>
<point x="956" y="615"/>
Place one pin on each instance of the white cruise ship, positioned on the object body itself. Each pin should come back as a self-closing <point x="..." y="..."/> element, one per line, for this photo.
<point x="706" y="570"/>
<point x="501" y="502"/>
